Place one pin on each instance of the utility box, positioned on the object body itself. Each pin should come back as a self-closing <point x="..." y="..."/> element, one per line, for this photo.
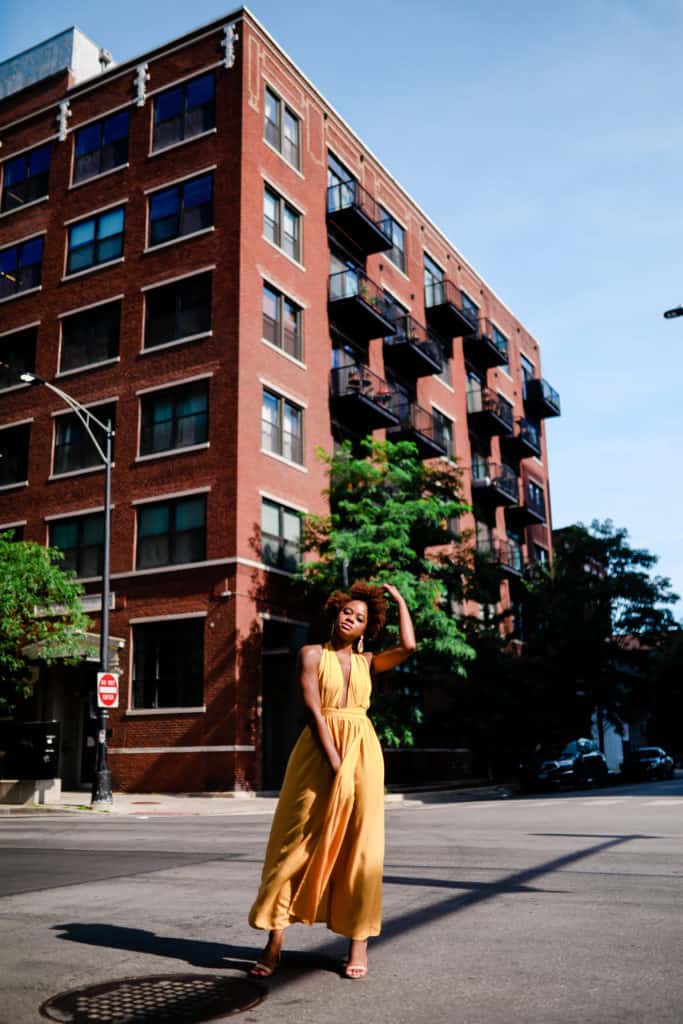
<point x="29" y="750"/>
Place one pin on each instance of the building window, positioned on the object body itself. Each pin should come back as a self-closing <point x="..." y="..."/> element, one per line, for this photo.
<point x="25" y="178"/>
<point x="434" y="278"/>
<point x="501" y="343"/>
<point x="81" y="541"/>
<point x="528" y="372"/>
<point x="20" y="267"/>
<point x="176" y="418"/>
<point x="282" y="322"/>
<point x="540" y="556"/>
<point x="443" y="431"/>
<point x="12" y="533"/>
<point x="17" y="356"/>
<point x="280" y="535"/>
<point x="90" y="337"/>
<point x="178" y="310"/>
<point x="96" y="240"/>
<point x="470" y="307"/>
<point x="281" y="427"/>
<point x="391" y="227"/>
<point x="101" y="146"/>
<point x="181" y="210"/>
<point x="183" y="112"/>
<point x="74" y="448"/>
<point x="282" y="128"/>
<point x="14" y="454"/>
<point x="281" y="224"/>
<point x="172" y="532"/>
<point x="168" y="664"/>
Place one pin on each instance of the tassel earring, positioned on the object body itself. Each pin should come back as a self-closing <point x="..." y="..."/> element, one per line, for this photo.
<point x="359" y="645"/>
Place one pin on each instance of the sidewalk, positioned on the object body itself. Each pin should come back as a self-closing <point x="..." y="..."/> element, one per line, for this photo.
<point x="186" y="804"/>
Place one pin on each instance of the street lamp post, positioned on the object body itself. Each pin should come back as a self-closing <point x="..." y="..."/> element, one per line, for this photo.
<point x="101" y="788"/>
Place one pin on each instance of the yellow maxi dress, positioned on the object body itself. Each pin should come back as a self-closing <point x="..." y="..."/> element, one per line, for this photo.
<point x="325" y="854"/>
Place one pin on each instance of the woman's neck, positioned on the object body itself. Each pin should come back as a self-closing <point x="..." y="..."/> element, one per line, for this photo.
<point x="340" y="646"/>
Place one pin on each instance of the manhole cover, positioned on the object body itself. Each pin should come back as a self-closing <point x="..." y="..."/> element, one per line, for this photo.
<point x="189" y="998"/>
<point x="147" y="803"/>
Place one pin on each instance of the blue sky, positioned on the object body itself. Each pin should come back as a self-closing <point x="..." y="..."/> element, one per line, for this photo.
<point x="545" y="140"/>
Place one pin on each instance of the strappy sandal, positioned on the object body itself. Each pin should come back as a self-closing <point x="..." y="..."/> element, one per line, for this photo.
<point x="360" y="971"/>
<point x="261" y="970"/>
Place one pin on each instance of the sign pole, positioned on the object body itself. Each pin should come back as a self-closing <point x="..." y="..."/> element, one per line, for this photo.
<point x="101" y="788"/>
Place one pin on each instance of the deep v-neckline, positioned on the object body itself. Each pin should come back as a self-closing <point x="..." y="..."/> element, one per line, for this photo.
<point x="346" y="683"/>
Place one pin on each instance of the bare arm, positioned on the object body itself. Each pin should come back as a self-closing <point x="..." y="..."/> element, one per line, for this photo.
<point x="395" y="655"/>
<point x="308" y="661"/>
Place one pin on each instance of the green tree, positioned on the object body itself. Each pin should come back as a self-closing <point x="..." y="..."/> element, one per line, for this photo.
<point x="31" y="584"/>
<point x="591" y="617"/>
<point x="393" y="518"/>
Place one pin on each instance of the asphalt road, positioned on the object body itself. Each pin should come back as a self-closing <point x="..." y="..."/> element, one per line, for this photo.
<point x="561" y="908"/>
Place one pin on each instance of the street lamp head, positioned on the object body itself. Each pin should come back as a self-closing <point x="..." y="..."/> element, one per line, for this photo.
<point x="671" y="313"/>
<point x="28" y="378"/>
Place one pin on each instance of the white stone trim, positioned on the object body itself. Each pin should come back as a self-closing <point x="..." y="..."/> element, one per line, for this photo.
<point x="287" y="462"/>
<point x="142" y="619"/>
<point x="16" y="423"/>
<point x="180" y="142"/>
<point x="170" y="497"/>
<point x="71" y="515"/>
<point x="175" y="383"/>
<point x="171" y="344"/>
<point x="284" y="501"/>
<point x="301" y="402"/>
<point x="90" y="305"/>
<point x="178" y="277"/>
<point x="89" y="405"/>
<point x="24" y="206"/>
<point x="94" y="213"/>
<point x="10" y="526"/>
<point x="181" y="567"/>
<point x="179" y="238"/>
<point x="167" y="453"/>
<point x="95" y="266"/>
<point x="20" y="295"/>
<point x="17" y="483"/>
<point x="87" y="366"/>
<point x="96" y="177"/>
<point x="18" y="330"/>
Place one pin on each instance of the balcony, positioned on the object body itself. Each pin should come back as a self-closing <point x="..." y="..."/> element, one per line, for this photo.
<point x="361" y="399"/>
<point x="482" y="349"/>
<point x="526" y="442"/>
<point x="489" y="412"/>
<point x="494" y="484"/>
<point x="351" y="209"/>
<point x="358" y="307"/>
<point x="445" y="310"/>
<point x="414" y="351"/>
<point x="417" y="425"/>
<point x="540" y="399"/>
<point x="509" y="557"/>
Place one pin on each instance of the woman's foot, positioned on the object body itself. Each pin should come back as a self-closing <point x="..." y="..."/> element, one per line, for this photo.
<point x="356" y="967"/>
<point x="267" y="963"/>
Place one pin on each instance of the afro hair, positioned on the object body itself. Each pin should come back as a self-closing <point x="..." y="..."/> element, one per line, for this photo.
<point x="372" y="596"/>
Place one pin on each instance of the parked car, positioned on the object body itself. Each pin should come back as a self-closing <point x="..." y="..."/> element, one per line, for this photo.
<point x="648" y="763"/>
<point x="580" y="763"/>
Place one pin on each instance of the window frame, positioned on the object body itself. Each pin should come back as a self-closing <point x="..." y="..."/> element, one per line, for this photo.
<point x="80" y="547"/>
<point x="34" y="195"/>
<point x="70" y="419"/>
<point x="177" y="393"/>
<point x="283" y="207"/>
<point x="179" y="189"/>
<point x="6" y="340"/>
<point x="119" y="154"/>
<point x="279" y="429"/>
<point x="183" y="115"/>
<point x="281" y="542"/>
<point x="204" y="302"/>
<point x="21" y="458"/>
<point x="172" y="504"/>
<point x="96" y="241"/>
<point x="389" y="222"/>
<point x="280" y="341"/>
<point x="444" y="425"/>
<point x="277" y="137"/>
<point x="35" y="281"/>
<point x="94" y="313"/>
<point x="185" y="636"/>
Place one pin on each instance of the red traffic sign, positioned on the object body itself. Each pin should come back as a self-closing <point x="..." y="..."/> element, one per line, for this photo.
<point x="107" y="690"/>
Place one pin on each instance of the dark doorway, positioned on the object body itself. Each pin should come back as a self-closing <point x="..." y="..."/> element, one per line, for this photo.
<point x="283" y="712"/>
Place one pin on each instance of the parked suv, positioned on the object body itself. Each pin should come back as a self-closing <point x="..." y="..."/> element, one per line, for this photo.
<point x="648" y="763"/>
<point x="581" y="763"/>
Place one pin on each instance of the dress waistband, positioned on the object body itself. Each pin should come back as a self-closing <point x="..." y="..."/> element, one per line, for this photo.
<point x="345" y="712"/>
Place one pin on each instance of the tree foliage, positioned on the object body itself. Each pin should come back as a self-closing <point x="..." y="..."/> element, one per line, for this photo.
<point x="31" y="585"/>
<point x="392" y="520"/>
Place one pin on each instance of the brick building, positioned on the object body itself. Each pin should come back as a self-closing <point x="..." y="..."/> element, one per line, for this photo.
<point x="195" y="245"/>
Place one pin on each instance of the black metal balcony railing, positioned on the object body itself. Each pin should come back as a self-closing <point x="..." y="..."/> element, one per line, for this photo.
<point x="543" y="400"/>
<point x="358" y="306"/>
<point x="484" y="348"/>
<point x="414" y="349"/>
<point x="529" y="436"/>
<point x="362" y="398"/>
<point x="417" y="424"/>
<point x="446" y="311"/>
<point x="509" y="557"/>
<point x="497" y="482"/>
<point x="351" y="208"/>
<point x="493" y="413"/>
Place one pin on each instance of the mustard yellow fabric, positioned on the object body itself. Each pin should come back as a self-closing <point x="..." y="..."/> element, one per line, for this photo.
<point x="325" y="854"/>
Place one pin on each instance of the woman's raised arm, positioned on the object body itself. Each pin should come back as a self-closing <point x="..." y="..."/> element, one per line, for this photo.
<point x="385" y="660"/>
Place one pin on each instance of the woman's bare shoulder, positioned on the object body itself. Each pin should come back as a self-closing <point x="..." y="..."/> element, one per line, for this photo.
<point x="310" y="654"/>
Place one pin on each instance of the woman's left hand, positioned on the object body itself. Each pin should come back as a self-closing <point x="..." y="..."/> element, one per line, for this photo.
<point x="392" y="591"/>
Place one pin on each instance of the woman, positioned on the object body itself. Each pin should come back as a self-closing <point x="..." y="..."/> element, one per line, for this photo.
<point x="325" y="854"/>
